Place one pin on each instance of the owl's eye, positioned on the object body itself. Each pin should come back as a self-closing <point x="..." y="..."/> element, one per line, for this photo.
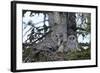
<point x="70" y="38"/>
<point x="73" y="38"/>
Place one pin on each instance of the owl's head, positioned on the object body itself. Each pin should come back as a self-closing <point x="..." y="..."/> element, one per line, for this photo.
<point x="72" y="38"/>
